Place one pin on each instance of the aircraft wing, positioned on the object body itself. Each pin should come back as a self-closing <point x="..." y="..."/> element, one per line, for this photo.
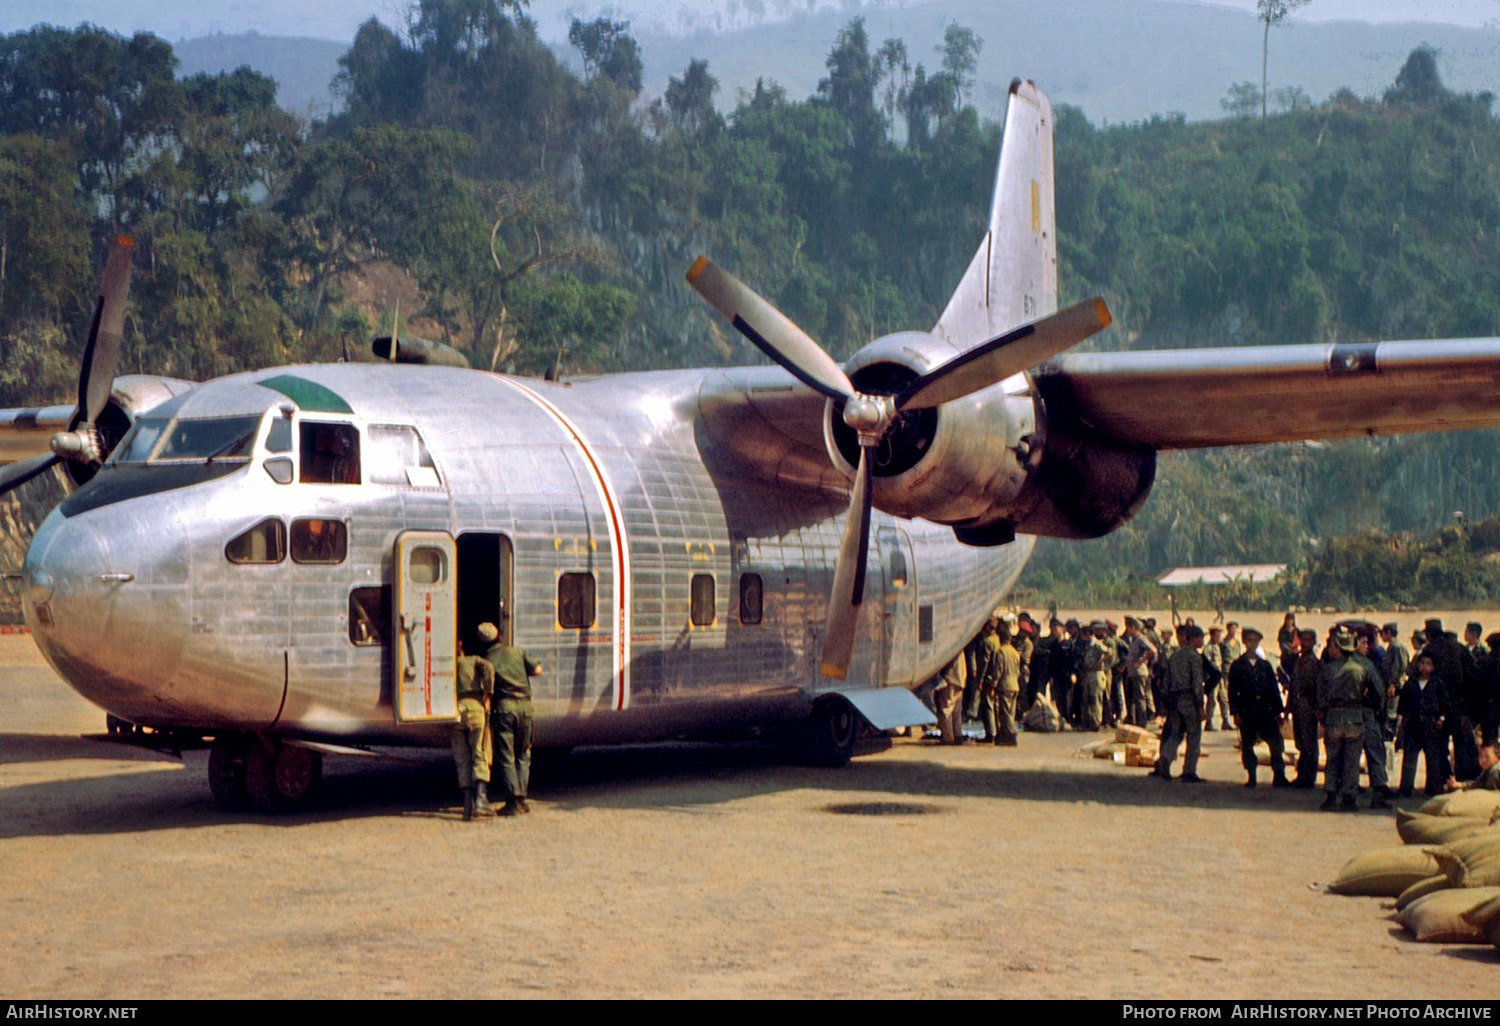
<point x="1195" y="398"/>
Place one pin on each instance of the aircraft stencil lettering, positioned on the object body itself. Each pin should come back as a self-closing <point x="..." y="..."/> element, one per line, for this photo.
<point x="796" y="545"/>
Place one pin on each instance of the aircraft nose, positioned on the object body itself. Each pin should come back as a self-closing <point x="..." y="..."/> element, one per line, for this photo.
<point x="107" y="603"/>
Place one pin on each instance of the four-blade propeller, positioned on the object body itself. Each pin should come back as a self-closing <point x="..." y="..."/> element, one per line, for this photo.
<point x="871" y="416"/>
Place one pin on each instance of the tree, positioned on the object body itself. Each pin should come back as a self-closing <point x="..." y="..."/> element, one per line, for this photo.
<point x="1271" y="12"/>
<point x="850" y="86"/>
<point x="609" y="50"/>
<point x="892" y="56"/>
<point x="960" y="52"/>
<point x="691" y="99"/>
<point x="1417" y="83"/>
<point x="1241" y="100"/>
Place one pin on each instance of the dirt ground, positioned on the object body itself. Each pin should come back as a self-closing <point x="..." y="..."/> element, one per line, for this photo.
<point x="687" y="871"/>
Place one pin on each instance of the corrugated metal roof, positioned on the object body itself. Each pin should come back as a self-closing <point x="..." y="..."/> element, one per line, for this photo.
<point x="1252" y="572"/>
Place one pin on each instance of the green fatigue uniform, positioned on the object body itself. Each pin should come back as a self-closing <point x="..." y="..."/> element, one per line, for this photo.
<point x="976" y="665"/>
<point x="1341" y="697"/>
<point x="1397" y="662"/>
<point x="1138" y="663"/>
<point x="1098" y="657"/>
<point x="1218" y="695"/>
<point x="990" y="667"/>
<point x="511" y="717"/>
<point x="949" y="699"/>
<point x="1184" y="691"/>
<point x="476" y="683"/>
<point x="1166" y="644"/>
<point x="1007" y="686"/>
<point x="1373" y="741"/>
<point x="1305" y="717"/>
<point x="1025" y="648"/>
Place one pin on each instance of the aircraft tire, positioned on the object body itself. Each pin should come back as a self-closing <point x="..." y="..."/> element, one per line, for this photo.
<point x="226" y="773"/>
<point x="281" y="778"/>
<point x="827" y="737"/>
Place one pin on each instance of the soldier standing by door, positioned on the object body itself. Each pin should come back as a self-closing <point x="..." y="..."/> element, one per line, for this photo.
<point x="1184" y="708"/>
<point x="512" y="717"/>
<point x="476" y="683"/>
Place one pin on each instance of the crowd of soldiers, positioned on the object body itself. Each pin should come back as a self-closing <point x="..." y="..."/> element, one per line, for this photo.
<point x="1362" y="690"/>
<point x="495" y="723"/>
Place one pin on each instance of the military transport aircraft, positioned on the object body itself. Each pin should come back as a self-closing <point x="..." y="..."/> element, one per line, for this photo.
<point x="283" y="560"/>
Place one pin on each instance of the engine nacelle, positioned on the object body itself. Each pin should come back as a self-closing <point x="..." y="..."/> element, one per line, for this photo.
<point x="1000" y="461"/>
<point x="130" y="396"/>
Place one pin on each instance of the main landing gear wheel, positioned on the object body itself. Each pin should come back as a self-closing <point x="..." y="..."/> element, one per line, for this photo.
<point x="828" y="735"/>
<point x="226" y="772"/>
<point x="281" y="778"/>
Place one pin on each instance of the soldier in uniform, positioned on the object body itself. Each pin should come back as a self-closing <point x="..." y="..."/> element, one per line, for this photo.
<point x="1255" y="699"/>
<point x="475" y="686"/>
<point x="1097" y="657"/>
<point x="949" y="699"/>
<point x="1062" y="671"/>
<point x="1342" y="688"/>
<point x="1024" y="642"/>
<point x="512" y="717"/>
<point x="1166" y="644"/>
<point x="1114" y="709"/>
<point x="1304" y="697"/>
<point x="1374" y="742"/>
<point x="1218" y="695"/>
<point x="1397" y="662"/>
<point x="1006" y="681"/>
<point x="1184" y="692"/>
<point x="1139" y="658"/>
<point x="1455" y="667"/>
<point x="1041" y="660"/>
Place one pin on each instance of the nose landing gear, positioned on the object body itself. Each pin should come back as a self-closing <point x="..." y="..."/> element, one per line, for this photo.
<point x="251" y="771"/>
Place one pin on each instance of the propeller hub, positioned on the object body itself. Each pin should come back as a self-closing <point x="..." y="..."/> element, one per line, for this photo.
<point x="869" y="415"/>
<point x="80" y="446"/>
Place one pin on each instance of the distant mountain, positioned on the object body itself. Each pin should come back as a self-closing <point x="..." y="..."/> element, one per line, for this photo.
<point x="1118" y="60"/>
<point x="303" y="68"/>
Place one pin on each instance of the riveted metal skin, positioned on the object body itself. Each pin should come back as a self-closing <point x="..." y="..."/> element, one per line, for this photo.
<point x="150" y="620"/>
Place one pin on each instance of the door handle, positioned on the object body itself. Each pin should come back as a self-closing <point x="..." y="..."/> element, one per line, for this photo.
<point x="409" y="671"/>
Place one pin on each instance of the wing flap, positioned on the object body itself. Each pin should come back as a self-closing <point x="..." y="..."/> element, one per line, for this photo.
<point x="1197" y="398"/>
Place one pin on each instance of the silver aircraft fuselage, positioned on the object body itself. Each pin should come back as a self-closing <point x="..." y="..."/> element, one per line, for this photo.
<point x="132" y="597"/>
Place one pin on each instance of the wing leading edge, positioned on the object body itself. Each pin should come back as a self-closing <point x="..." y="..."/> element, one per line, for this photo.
<point x="1246" y="395"/>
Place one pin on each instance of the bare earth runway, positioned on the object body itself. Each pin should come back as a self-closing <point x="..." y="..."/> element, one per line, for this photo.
<point x="687" y="871"/>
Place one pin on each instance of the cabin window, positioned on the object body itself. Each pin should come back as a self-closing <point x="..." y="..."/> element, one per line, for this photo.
<point x="330" y="453"/>
<point x="263" y="543"/>
<point x="319" y="541"/>
<point x="924" y="624"/>
<point x="427" y="565"/>
<point x="369" y="615"/>
<point x="898" y="570"/>
<point x="575" y="601"/>
<point x="752" y="597"/>
<point x="395" y="455"/>
<point x="702" y="605"/>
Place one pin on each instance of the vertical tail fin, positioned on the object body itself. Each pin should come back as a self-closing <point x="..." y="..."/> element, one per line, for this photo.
<point x="1013" y="276"/>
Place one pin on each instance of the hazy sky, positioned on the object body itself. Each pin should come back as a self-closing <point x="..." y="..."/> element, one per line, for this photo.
<point x="337" y="19"/>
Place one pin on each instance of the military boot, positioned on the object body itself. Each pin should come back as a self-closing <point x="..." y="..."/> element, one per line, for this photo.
<point x="1348" y="804"/>
<point x="1330" y="804"/>
<point x="482" y="799"/>
<point x="511" y="808"/>
<point x="1250" y="782"/>
<point x="468" y="804"/>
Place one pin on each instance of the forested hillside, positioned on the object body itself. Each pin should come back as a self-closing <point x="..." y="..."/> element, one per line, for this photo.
<point x="532" y="216"/>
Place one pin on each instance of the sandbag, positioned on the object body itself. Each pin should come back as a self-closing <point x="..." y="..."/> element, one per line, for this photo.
<point x="1042" y="717"/>
<point x="1416" y="828"/>
<point x="1462" y="803"/>
<point x="1422" y="888"/>
<point x="1487" y="918"/>
<point x="1471" y="861"/>
<point x="1439" y="918"/>
<point x="1385" y="872"/>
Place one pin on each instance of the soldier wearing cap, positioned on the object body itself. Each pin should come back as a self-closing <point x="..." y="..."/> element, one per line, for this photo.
<point x="1374" y="712"/>
<point x="1114" y="708"/>
<point x="1023" y="639"/>
<point x="1303" y="695"/>
<point x="1006" y="687"/>
<point x="1166" y="644"/>
<point x="475" y="684"/>
<point x="511" y="718"/>
<point x="1255" y="699"/>
<point x="1184" y="696"/>
<point x="1342" y="687"/>
<point x="949" y="699"/>
<point x="983" y="675"/>
<point x="1218" y="694"/>
<point x="1397" y="662"/>
<point x="1097" y="658"/>
<point x="1139" y="658"/>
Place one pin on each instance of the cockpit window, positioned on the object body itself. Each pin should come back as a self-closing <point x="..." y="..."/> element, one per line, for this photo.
<point x="200" y="440"/>
<point x="330" y="453"/>
<point x="263" y="543"/>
